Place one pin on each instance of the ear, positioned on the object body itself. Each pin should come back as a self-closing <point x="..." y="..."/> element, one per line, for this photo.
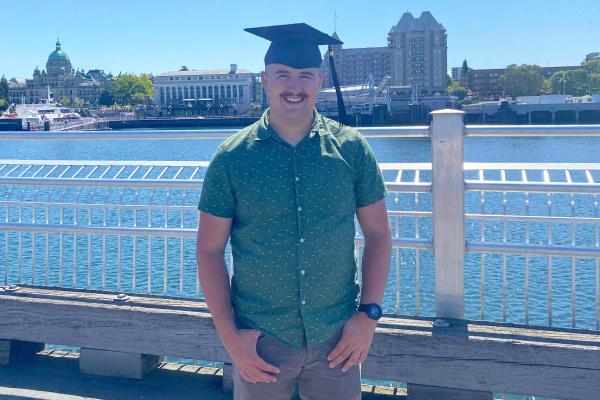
<point x="264" y="80"/>
<point x="321" y="78"/>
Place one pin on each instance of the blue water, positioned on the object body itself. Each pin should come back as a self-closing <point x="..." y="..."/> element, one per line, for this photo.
<point x="403" y="263"/>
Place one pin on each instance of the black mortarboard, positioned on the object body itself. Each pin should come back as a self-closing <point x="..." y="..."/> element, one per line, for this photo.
<point x="294" y="45"/>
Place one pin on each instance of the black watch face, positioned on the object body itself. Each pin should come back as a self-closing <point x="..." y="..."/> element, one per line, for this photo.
<point x="375" y="311"/>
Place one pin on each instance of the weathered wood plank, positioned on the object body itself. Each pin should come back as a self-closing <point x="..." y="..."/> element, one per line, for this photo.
<point x="517" y="360"/>
<point x="471" y="356"/>
<point x="420" y="392"/>
<point x="177" y="328"/>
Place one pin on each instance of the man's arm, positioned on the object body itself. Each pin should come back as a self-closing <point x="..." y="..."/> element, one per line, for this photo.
<point x="213" y="233"/>
<point x="358" y="332"/>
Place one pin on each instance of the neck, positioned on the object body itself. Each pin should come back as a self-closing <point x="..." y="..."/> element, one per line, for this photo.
<point x="291" y="131"/>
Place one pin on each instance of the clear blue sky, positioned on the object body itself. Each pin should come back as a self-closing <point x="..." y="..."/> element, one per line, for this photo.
<point x="146" y="36"/>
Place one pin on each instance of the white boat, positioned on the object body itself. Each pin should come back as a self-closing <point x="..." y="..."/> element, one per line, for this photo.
<point x="33" y="116"/>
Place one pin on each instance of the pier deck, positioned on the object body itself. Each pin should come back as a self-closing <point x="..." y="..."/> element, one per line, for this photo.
<point x="55" y="375"/>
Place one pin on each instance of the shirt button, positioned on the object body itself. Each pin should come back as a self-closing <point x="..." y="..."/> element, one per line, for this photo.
<point x="297" y="179"/>
<point x="299" y="208"/>
<point x="303" y="302"/>
<point x="302" y="272"/>
<point x="301" y="240"/>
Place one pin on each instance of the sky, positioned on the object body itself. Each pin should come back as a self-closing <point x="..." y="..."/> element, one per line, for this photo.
<point x="158" y="36"/>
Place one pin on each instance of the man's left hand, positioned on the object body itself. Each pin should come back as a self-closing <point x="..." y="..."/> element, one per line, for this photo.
<point x="355" y="342"/>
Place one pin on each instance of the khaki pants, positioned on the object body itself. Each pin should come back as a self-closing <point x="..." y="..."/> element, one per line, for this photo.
<point x="303" y="371"/>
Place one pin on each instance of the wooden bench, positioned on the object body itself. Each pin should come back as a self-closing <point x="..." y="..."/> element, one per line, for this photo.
<point x="467" y="360"/>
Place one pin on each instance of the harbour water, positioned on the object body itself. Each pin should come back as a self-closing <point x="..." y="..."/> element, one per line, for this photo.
<point x="532" y="149"/>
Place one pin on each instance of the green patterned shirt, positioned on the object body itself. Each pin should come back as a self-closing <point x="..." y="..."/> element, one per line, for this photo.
<point x="292" y="235"/>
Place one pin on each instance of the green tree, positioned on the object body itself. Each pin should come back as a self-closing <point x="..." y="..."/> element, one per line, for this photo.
<point x="573" y="82"/>
<point x="594" y="82"/>
<point x="106" y="98"/>
<point x="455" y="89"/>
<point x="464" y="77"/>
<point x="77" y="102"/>
<point x="592" y="66"/>
<point x="65" y="101"/>
<point x="522" y="80"/>
<point x="4" y="88"/>
<point x="3" y="104"/>
<point x="127" y="89"/>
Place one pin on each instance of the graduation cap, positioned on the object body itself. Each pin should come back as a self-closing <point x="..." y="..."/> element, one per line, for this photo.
<point x="294" y="45"/>
<point x="297" y="46"/>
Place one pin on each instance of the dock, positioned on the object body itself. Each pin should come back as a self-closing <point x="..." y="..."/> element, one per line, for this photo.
<point x="126" y="313"/>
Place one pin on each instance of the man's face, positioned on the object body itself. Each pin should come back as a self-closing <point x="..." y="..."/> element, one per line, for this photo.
<point x="292" y="92"/>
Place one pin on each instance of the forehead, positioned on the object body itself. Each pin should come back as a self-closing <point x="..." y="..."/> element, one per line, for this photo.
<point x="273" y="68"/>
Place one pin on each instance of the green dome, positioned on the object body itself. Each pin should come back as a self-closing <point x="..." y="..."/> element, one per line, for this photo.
<point x="58" y="54"/>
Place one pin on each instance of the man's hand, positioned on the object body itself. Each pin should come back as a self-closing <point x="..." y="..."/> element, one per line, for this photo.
<point x="355" y="342"/>
<point x="242" y="349"/>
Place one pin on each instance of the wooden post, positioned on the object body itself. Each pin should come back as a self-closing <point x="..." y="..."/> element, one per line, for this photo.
<point x="447" y="132"/>
<point x="116" y="363"/>
<point x="12" y="351"/>
<point x="227" y="377"/>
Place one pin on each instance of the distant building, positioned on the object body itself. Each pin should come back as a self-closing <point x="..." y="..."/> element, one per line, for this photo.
<point x="456" y="73"/>
<point x="484" y="82"/>
<point x="61" y="79"/>
<point x="416" y="55"/>
<point x="592" y="56"/>
<point x="233" y="89"/>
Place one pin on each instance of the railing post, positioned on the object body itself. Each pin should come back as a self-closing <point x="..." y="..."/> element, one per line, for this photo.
<point x="447" y="131"/>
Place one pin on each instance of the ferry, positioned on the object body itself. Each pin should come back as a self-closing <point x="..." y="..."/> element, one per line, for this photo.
<point x="33" y="116"/>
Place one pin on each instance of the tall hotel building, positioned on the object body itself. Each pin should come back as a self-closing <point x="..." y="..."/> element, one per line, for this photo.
<point x="416" y="55"/>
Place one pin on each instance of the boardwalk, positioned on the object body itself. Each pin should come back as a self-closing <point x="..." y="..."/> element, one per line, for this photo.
<point x="55" y="376"/>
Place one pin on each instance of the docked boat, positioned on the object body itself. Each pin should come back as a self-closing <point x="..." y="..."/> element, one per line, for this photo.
<point x="33" y="116"/>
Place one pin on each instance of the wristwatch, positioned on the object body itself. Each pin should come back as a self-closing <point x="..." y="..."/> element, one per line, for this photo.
<point x="372" y="310"/>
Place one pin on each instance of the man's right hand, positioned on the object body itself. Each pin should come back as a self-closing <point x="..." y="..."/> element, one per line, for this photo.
<point x="242" y="349"/>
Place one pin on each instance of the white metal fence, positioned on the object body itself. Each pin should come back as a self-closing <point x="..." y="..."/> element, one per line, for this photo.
<point x="498" y="241"/>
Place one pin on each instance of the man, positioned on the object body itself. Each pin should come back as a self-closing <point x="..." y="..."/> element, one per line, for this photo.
<point x="285" y="190"/>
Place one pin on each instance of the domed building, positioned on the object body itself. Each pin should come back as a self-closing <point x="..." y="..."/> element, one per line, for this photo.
<point x="64" y="83"/>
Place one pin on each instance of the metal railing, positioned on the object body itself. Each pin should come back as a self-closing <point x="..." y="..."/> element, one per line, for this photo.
<point x="485" y="247"/>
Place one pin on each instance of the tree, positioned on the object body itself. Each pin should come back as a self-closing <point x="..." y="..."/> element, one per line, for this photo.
<point x="127" y="89"/>
<point x="455" y="89"/>
<point x="464" y="76"/>
<point x="573" y="82"/>
<point x="76" y="102"/>
<point x="3" y="104"/>
<point x="4" y="88"/>
<point x="522" y="80"/>
<point x="592" y="66"/>
<point x="106" y="98"/>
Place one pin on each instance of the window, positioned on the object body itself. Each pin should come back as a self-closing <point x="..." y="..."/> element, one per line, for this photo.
<point x="186" y="93"/>
<point x="203" y="91"/>
<point x="228" y="91"/>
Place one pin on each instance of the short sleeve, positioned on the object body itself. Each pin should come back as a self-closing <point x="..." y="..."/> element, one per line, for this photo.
<point x="369" y="186"/>
<point x="217" y="196"/>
